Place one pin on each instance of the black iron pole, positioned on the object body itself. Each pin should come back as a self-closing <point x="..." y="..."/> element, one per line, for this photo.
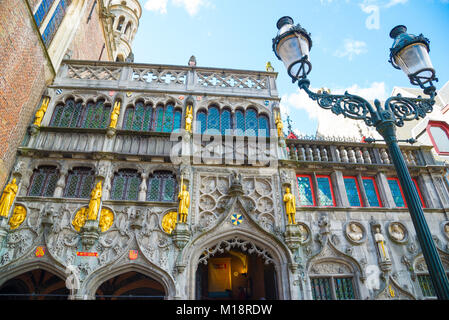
<point x="387" y="129"/>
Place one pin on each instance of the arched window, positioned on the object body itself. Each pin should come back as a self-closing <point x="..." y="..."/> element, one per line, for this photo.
<point x="121" y="20"/>
<point x="201" y="119"/>
<point x="251" y="122"/>
<point x="240" y="122"/>
<point x="128" y="28"/>
<point x="225" y="121"/>
<point x="162" y="186"/>
<point x="167" y="119"/>
<point x="80" y="182"/>
<point x="125" y="185"/>
<point x="138" y="118"/>
<point x="213" y="120"/>
<point x="264" y="128"/>
<point x="43" y="181"/>
<point x="75" y="115"/>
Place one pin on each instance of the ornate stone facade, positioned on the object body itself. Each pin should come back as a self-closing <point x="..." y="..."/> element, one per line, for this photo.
<point x="235" y="202"/>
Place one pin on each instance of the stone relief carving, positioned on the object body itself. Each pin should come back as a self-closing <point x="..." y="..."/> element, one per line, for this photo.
<point x="355" y="232"/>
<point x="397" y="232"/>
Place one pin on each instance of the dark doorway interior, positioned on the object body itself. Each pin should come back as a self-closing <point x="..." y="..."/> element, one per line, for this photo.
<point x="130" y="285"/>
<point x="236" y="275"/>
<point x="34" y="285"/>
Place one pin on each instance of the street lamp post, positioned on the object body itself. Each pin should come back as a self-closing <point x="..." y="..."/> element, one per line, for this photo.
<point x="409" y="53"/>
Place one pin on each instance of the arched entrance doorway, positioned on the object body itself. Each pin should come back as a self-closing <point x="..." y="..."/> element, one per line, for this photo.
<point x="130" y="285"/>
<point x="236" y="274"/>
<point x="37" y="284"/>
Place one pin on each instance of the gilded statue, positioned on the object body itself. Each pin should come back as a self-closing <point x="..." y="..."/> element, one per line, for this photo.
<point x="169" y="221"/>
<point x="41" y="112"/>
<point x="114" y="115"/>
<point x="106" y="219"/>
<point x="189" y="118"/>
<point x="9" y="193"/>
<point x="80" y="219"/>
<point x="18" y="216"/>
<point x="290" y="206"/>
<point x="94" y="203"/>
<point x="184" y="203"/>
<point x="279" y="125"/>
<point x="269" y="67"/>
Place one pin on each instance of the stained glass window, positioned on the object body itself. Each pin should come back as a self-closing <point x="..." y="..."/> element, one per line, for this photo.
<point x="55" y="21"/>
<point x="264" y="128"/>
<point x="177" y="120"/>
<point x="240" y="123"/>
<point x="225" y="121"/>
<point x="251" y="122"/>
<point x="80" y="182"/>
<point x="425" y="283"/>
<point x="158" y="120"/>
<point x="396" y="192"/>
<point x="138" y="118"/>
<point x="168" y="118"/>
<point x="74" y="115"/>
<point x="306" y="195"/>
<point x="352" y="191"/>
<point x="42" y="11"/>
<point x="162" y="187"/>
<point x="330" y="288"/>
<point x="321" y="289"/>
<point x="325" y="192"/>
<point x="43" y="182"/>
<point x="201" y="122"/>
<point x="371" y="191"/>
<point x="213" y="120"/>
<point x="125" y="185"/>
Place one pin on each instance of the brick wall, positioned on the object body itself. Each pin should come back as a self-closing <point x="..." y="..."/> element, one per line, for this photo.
<point x="89" y="39"/>
<point x="24" y="73"/>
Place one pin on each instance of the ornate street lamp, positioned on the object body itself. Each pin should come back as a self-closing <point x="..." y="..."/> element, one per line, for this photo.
<point x="409" y="53"/>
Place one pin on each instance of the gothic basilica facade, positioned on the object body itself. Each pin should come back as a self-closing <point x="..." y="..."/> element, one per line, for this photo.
<point x="146" y="181"/>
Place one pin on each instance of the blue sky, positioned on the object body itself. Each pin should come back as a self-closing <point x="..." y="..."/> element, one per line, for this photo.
<point x="350" y="41"/>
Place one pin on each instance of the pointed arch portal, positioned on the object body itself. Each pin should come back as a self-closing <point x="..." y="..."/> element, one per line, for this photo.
<point x="235" y="270"/>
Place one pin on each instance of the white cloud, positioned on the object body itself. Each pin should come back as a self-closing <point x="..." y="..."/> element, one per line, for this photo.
<point x="330" y="124"/>
<point x="156" y="5"/>
<point x="351" y="48"/>
<point x="392" y="3"/>
<point x="191" y="6"/>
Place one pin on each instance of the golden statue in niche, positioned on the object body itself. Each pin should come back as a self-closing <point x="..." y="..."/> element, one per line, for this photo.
<point x="80" y="219"/>
<point x="41" y="112"/>
<point x="169" y="221"/>
<point x="290" y="206"/>
<point x="94" y="203"/>
<point x="9" y="193"/>
<point x="18" y="216"/>
<point x="279" y="125"/>
<point x="106" y="219"/>
<point x="189" y="118"/>
<point x="184" y="203"/>
<point x="114" y="115"/>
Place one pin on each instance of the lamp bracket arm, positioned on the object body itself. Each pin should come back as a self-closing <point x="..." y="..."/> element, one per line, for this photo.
<point x="407" y="109"/>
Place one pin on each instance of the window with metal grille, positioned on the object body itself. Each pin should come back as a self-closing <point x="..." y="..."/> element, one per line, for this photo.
<point x="43" y="181"/>
<point x="332" y="288"/>
<point x="167" y="119"/>
<point x="125" y="185"/>
<point x="162" y="186"/>
<point x="138" y="118"/>
<point x="371" y="191"/>
<point x="201" y="124"/>
<point x="80" y="182"/>
<point x="396" y="192"/>
<point x="353" y="191"/>
<point x="73" y="114"/>
<point x="425" y="283"/>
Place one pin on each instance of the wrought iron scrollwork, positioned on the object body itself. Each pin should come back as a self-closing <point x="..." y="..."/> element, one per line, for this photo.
<point x="397" y="108"/>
